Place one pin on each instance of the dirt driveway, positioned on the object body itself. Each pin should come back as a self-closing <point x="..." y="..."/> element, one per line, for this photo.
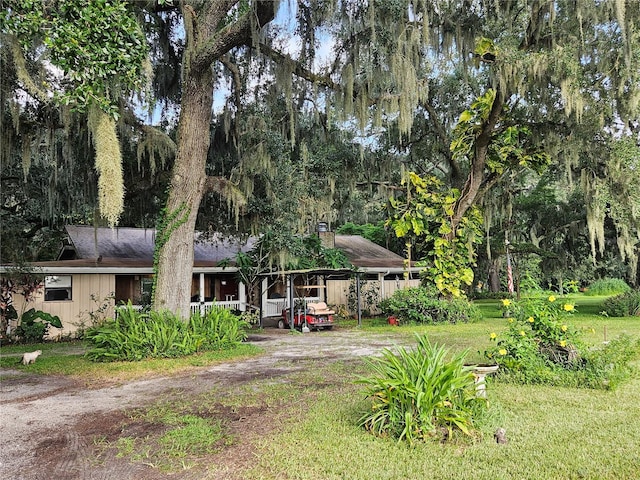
<point x="49" y="424"/>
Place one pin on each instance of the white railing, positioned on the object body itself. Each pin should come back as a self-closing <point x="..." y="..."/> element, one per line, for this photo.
<point x="205" y="307"/>
<point x="273" y="306"/>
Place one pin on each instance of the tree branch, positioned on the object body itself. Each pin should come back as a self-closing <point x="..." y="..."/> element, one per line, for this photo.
<point x="298" y="69"/>
<point x="234" y="34"/>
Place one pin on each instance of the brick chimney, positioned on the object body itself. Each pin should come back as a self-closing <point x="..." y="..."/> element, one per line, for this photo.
<point x="327" y="238"/>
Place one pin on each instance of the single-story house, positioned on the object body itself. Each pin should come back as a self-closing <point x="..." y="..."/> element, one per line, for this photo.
<point x="103" y="266"/>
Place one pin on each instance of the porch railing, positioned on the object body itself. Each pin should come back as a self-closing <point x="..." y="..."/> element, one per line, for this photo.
<point x="273" y="306"/>
<point x="206" y="307"/>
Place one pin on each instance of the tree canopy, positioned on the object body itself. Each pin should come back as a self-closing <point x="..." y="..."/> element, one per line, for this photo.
<point x="247" y="117"/>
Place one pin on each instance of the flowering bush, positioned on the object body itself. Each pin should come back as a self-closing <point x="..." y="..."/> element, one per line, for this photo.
<point x="540" y="346"/>
<point x="537" y="333"/>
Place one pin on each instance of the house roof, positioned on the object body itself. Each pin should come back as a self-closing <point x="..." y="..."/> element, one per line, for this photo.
<point x="124" y="246"/>
<point x="103" y="249"/>
<point x="364" y="253"/>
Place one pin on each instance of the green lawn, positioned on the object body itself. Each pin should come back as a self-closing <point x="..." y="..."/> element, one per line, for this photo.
<point x="553" y="433"/>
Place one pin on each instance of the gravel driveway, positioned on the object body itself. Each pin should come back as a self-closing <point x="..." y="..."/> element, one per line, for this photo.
<point x="45" y="420"/>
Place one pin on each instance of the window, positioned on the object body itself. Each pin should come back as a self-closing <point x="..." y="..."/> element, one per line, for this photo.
<point x="57" y="287"/>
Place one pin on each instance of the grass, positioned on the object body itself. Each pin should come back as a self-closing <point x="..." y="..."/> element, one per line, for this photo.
<point x="553" y="433"/>
<point x="68" y="359"/>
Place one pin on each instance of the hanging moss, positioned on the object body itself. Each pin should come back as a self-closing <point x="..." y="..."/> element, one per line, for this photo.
<point x="156" y="146"/>
<point x="108" y="164"/>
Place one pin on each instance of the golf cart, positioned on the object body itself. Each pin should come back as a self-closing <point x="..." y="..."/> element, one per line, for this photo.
<point x="316" y="316"/>
<point x="313" y="315"/>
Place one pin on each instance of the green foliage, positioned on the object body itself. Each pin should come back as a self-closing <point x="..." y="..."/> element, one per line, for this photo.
<point x="424" y="213"/>
<point x="419" y="395"/>
<point x="34" y="325"/>
<point x="369" y="296"/>
<point x="98" y="44"/>
<point x="373" y="232"/>
<point x="607" y="286"/>
<point x="608" y="367"/>
<point x="134" y="335"/>
<point x="623" y="305"/>
<point x="94" y="316"/>
<point x="536" y="329"/>
<point x="423" y="305"/>
<point x="510" y="147"/>
<point x="541" y="347"/>
<point x="284" y="251"/>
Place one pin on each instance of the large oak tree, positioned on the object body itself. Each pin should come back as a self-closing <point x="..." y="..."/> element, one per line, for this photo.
<point x="551" y="64"/>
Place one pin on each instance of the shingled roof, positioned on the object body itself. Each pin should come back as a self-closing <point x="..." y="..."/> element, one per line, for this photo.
<point x="134" y="247"/>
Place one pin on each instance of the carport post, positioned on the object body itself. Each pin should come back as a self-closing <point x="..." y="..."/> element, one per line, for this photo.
<point x="358" y="299"/>
<point x="291" y="301"/>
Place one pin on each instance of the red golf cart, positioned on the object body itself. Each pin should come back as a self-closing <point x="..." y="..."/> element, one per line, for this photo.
<point x="315" y="315"/>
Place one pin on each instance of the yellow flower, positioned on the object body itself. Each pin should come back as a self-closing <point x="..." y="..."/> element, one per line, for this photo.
<point x="506" y="302"/>
<point x="510" y="320"/>
<point x="568" y="307"/>
<point x="493" y="335"/>
<point x="530" y="320"/>
<point x="502" y="351"/>
<point x="563" y="328"/>
<point x="522" y="333"/>
<point x="563" y="343"/>
<point x="552" y="298"/>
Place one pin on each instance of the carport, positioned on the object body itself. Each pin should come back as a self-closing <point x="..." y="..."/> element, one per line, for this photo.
<point x="325" y="275"/>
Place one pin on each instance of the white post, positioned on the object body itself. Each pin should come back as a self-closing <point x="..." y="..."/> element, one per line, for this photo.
<point x="242" y="296"/>
<point x="264" y="286"/>
<point x="201" y="293"/>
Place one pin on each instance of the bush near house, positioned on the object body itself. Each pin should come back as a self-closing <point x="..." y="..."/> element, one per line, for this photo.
<point x="423" y="306"/>
<point x="134" y="335"/>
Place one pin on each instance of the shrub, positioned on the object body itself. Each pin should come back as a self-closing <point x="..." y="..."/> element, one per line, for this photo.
<point x="418" y="394"/>
<point x="421" y="305"/>
<point x="607" y="286"/>
<point x="541" y="347"/>
<point x="134" y="335"/>
<point x="609" y="366"/>
<point x="623" y="305"/>
<point x="34" y="326"/>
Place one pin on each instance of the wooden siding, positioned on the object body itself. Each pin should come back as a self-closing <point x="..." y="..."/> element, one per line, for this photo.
<point x="73" y="312"/>
<point x="338" y="290"/>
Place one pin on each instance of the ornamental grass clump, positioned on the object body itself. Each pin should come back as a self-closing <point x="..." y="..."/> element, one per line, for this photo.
<point x="607" y="286"/>
<point x="540" y="346"/>
<point x="135" y="335"/>
<point x="418" y="394"/>
<point x="623" y="305"/>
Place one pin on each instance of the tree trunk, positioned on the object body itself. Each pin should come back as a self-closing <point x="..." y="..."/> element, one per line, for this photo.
<point x="175" y="257"/>
<point x="208" y="38"/>
<point x="473" y="186"/>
